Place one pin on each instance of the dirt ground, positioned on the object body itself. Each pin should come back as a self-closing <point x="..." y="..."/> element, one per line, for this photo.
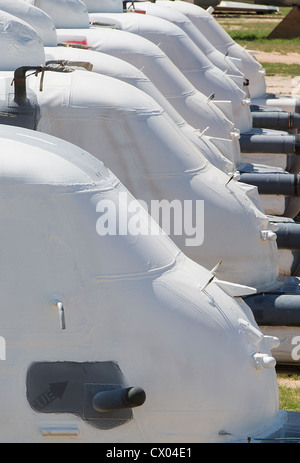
<point x="282" y="85"/>
<point x="289" y="382"/>
<point x="289" y="58"/>
<point x="279" y="84"/>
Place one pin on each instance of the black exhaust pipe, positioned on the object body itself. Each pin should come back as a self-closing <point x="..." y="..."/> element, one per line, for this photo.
<point x="20" y="82"/>
<point x="284" y="184"/>
<point x="277" y="120"/>
<point x="64" y="66"/>
<point x="270" y="309"/>
<point x="23" y="110"/>
<point x="270" y="144"/>
<point x="118" y="399"/>
<point x="288" y="235"/>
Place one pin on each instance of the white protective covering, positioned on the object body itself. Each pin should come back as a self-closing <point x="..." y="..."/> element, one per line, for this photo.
<point x="253" y="70"/>
<point x="147" y="152"/>
<point x="199" y="111"/>
<point x="185" y="101"/>
<point x="216" y="57"/>
<point x="152" y="159"/>
<point x="222" y="41"/>
<point x="196" y="110"/>
<point x="195" y="58"/>
<point x="169" y="78"/>
<point x="109" y="65"/>
<point x="14" y="35"/>
<point x="52" y="103"/>
<point x="109" y="6"/>
<point x="114" y="67"/>
<point x="232" y="66"/>
<point x="212" y="55"/>
<point x="194" y="107"/>
<point x="229" y="148"/>
<point x="184" y="52"/>
<point x="146" y="56"/>
<point x="76" y="11"/>
<point x="38" y="19"/>
<point x="187" y="57"/>
<point x="198" y="355"/>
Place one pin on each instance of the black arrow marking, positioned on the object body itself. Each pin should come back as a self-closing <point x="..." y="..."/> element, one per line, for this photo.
<point x="53" y="392"/>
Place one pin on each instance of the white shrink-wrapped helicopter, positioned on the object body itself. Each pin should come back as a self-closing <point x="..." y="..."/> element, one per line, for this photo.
<point x="190" y="53"/>
<point x="231" y="66"/>
<point x="270" y="111"/>
<point x="114" y="42"/>
<point x="197" y="109"/>
<point x="149" y="153"/>
<point x="144" y="147"/>
<point x="120" y="69"/>
<point x="193" y="106"/>
<point x="182" y="49"/>
<point x="108" y="65"/>
<point x="198" y="112"/>
<point x="109" y="338"/>
<point x="221" y="40"/>
<point x="262" y="114"/>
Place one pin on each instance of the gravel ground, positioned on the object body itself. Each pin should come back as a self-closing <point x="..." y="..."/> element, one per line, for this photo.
<point x="279" y="84"/>
<point x="289" y="58"/>
<point x="289" y="382"/>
